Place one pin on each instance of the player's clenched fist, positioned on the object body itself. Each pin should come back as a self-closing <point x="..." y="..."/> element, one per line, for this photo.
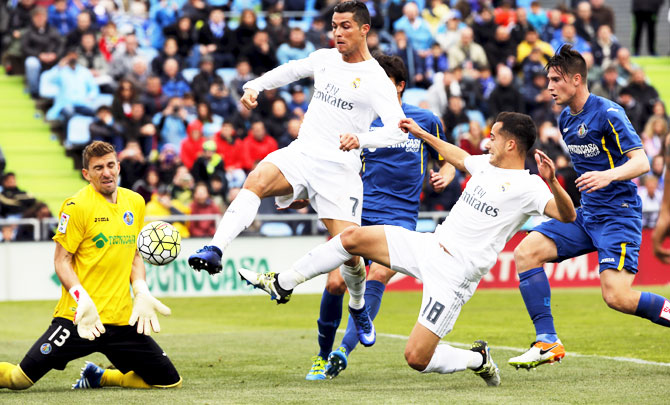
<point x="349" y="142"/>
<point x="86" y="316"/>
<point x="409" y="125"/>
<point x="144" y="309"/>
<point x="249" y="99"/>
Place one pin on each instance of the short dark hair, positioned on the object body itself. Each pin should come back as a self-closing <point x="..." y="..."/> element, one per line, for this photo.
<point x="394" y="67"/>
<point x="567" y="61"/>
<point x="358" y="8"/>
<point x="520" y="127"/>
<point x="96" y="149"/>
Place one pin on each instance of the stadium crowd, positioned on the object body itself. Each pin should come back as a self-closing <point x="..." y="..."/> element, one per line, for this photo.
<point x="161" y="80"/>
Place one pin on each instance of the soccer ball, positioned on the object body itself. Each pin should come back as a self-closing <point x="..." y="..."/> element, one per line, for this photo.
<point x="159" y="243"/>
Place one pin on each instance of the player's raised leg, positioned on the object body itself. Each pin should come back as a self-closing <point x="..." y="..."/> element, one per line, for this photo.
<point x="264" y="181"/>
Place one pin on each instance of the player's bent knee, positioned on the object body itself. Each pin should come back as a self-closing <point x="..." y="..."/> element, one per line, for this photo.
<point x="349" y="238"/>
<point x="18" y="380"/>
<point x="336" y="286"/>
<point x="416" y="359"/>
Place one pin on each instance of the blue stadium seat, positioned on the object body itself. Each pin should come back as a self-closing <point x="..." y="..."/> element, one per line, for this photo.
<point x="276" y="229"/>
<point x="189" y="73"/>
<point x="425" y="225"/>
<point x="78" y="134"/>
<point x="414" y="96"/>
<point x="227" y="74"/>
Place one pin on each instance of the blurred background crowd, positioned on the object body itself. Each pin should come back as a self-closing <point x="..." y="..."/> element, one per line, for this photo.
<point x="161" y="80"/>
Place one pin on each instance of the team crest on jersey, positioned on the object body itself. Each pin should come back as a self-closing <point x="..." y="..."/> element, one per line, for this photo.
<point x="128" y="218"/>
<point x="45" y="348"/>
<point x="356" y="83"/>
<point x="582" y="130"/>
<point x="504" y="187"/>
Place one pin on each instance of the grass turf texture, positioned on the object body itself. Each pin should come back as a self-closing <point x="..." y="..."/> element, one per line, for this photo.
<point x="249" y="350"/>
<point x="658" y="71"/>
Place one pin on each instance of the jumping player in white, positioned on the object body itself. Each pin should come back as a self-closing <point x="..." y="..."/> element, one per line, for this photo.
<point x="323" y="164"/>
<point x="498" y="199"/>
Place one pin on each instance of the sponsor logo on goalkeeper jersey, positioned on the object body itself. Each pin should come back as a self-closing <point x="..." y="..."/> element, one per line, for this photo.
<point x="101" y="239"/>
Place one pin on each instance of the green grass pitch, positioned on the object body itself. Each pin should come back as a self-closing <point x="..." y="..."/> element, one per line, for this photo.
<point x="249" y="350"/>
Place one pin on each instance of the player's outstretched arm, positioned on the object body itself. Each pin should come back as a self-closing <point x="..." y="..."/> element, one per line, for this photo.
<point x="452" y="154"/>
<point x="86" y="317"/>
<point x="145" y="305"/>
<point x="662" y="229"/>
<point x="637" y="165"/>
<point x="560" y="207"/>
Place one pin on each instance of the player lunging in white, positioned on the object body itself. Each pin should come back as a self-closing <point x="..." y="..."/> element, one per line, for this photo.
<point x="497" y="201"/>
<point x="350" y="91"/>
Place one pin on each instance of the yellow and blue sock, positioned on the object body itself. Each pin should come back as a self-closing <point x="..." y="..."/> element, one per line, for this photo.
<point x="654" y="307"/>
<point x="536" y="293"/>
<point x="13" y="377"/>
<point x="330" y="316"/>
<point x="374" y="290"/>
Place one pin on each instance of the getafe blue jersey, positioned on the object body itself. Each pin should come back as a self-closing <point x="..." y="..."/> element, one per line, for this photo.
<point x="393" y="176"/>
<point x="598" y="139"/>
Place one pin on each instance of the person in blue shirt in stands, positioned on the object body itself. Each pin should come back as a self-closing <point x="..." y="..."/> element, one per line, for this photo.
<point x="392" y="181"/>
<point x="606" y="153"/>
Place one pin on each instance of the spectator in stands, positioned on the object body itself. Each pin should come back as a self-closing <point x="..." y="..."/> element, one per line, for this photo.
<point x="277" y="29"/>
<point x="291" y="133"/>
<point x="257" y="145"/>
<point x="436" y="61"/>
<point x="605" y="46"/>
<point x="169" y="51"/>
<point x="450" y="35"/>
<point x="378" y="44"/>
<point x="518" y="31"/>
<point x="123" y="57"/>
<point x="502" y="50"/>
<point x="181" y="188"/>
<point x="139" y="73"/>
<point x="537" y="98"/>
<point x="163" y="14"/>
<point x="60" y="18"/>
<point x="411" y="59"/>
<point x="138" y="127"/>
<point x="569" y="36"/>
<point x="471" y="90"/>
<point x="153" y="98"/>
<point x="644" y="93"/>
<point x="317" y="33"/>
<point x="208" y="164"/>
<point x="585" y="24"/>
<point x="73" y="38"/>
<point x="133" y="164"/>
<point x="171" y="123"/>
<point x="211" y="123"/>
<point x="124" y="96"/>
<point x="243" y="74"/>
<point x="245" y="32"/>
<point x="416" y="28"/>
<point x="532" y="41"/>
<point x="243" y="117"/>
<point x="275" y="123"/>
<point x="553" y="29"/>
<point x="202" y="82"/>
<point x="77" y="89"/>
<point x="434" y="14"/>
<point x="191" y="146"/>
<point x="651" y="197"/>
<point x="197" y="11"/>
<point x="454" y="116"/>
<point x="39" y="211"/>
<point x="168" y="162"/>
<point x="109" y="40"/>
<point x="444" y="87"/>
<point x="174" y="84"/>
<point x="634" y="110"/>
<point x="13" y="201"/>
<point x="105" y="128"/>
<point x="505" y="14"/>
<point x="89" y="56"/>
<point x="549" y="140"/>
<point x="218" y="190"/>
<point x="608" y="85"/>
<point x="625" y="65"/>
<point x="298" y="104"/>
<point x="99" y="14"/>
<point x="602" y="13"/>
<point x="229" y="147"/>
<point x="532" y="65"/>
<point x="19" y="20"/>
<point x="537" y="16"/>
<point x="182" y="31"/>
<point x="220" y="100"/>
<point x="42" y="45"/>
<point x="296" y="48"/>
<point x="658" y="111"/>
<point x="505" y="96"/>
<point x="216" y="39"/>
<point x="467" y="53"/>
<point x="261" y="54"/>
<point x="162" y="205"/>
<point x="654" y="135"/>
<point x="645" y="13"/>
<point x="202" y="204"/>
<point x="472" y="140"/>
<point x="148" y="184"/>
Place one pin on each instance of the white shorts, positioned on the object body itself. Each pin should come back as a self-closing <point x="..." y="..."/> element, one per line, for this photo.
<point x="334" y="189"/>
<point x="446" y="286"/>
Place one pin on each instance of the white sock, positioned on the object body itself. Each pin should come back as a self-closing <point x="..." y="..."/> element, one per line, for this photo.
<point x="354" y="277"/>
<point x="320" y="260"/>
<point x="239" y="215"/>
<point x="447" y="360"/>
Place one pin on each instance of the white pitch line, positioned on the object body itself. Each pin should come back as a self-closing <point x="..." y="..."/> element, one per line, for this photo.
<point x="520" y="350"/>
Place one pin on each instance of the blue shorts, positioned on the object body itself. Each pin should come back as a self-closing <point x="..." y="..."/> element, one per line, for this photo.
<point x="407" y="223"/>
<point x="617" y="239"/>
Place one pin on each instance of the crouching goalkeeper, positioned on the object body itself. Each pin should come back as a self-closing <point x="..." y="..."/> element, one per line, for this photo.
<point x="96" y="261"/>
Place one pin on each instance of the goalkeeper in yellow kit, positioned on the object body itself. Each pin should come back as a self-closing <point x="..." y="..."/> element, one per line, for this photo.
<point x="96" y="261"/>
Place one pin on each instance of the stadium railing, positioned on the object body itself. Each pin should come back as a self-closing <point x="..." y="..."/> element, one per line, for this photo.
<point x="51" y="223"/>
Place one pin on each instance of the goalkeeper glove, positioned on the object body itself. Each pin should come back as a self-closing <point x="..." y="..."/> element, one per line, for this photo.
<point x="89" y="325"/>
<point x="144" y="309"/>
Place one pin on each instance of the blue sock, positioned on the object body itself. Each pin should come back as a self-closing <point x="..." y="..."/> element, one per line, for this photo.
<point x="373" y="300"/>
<point x="536" y="293"/>
<point x="654" y="307"/>
<point x="330" y="316"/>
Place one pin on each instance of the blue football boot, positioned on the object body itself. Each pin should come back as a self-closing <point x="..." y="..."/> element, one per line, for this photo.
<point x="208" y="258"/>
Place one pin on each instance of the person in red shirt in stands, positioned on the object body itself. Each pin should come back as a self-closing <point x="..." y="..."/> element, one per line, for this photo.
<point x="191" y="146"/>
<point x="257" y="144"/>
<point x="202" y="204"/>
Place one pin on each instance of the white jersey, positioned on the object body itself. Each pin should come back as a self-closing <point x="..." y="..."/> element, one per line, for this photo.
<point x="494" y="205"/>
<point x="347" y="98"/>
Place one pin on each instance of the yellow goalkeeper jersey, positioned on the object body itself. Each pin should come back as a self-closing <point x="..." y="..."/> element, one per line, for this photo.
<point x="102" y="237"/>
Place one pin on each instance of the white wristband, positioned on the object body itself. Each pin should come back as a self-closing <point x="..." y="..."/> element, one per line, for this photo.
<point x="77" y="292"/>
<point x="140" y="287"/>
